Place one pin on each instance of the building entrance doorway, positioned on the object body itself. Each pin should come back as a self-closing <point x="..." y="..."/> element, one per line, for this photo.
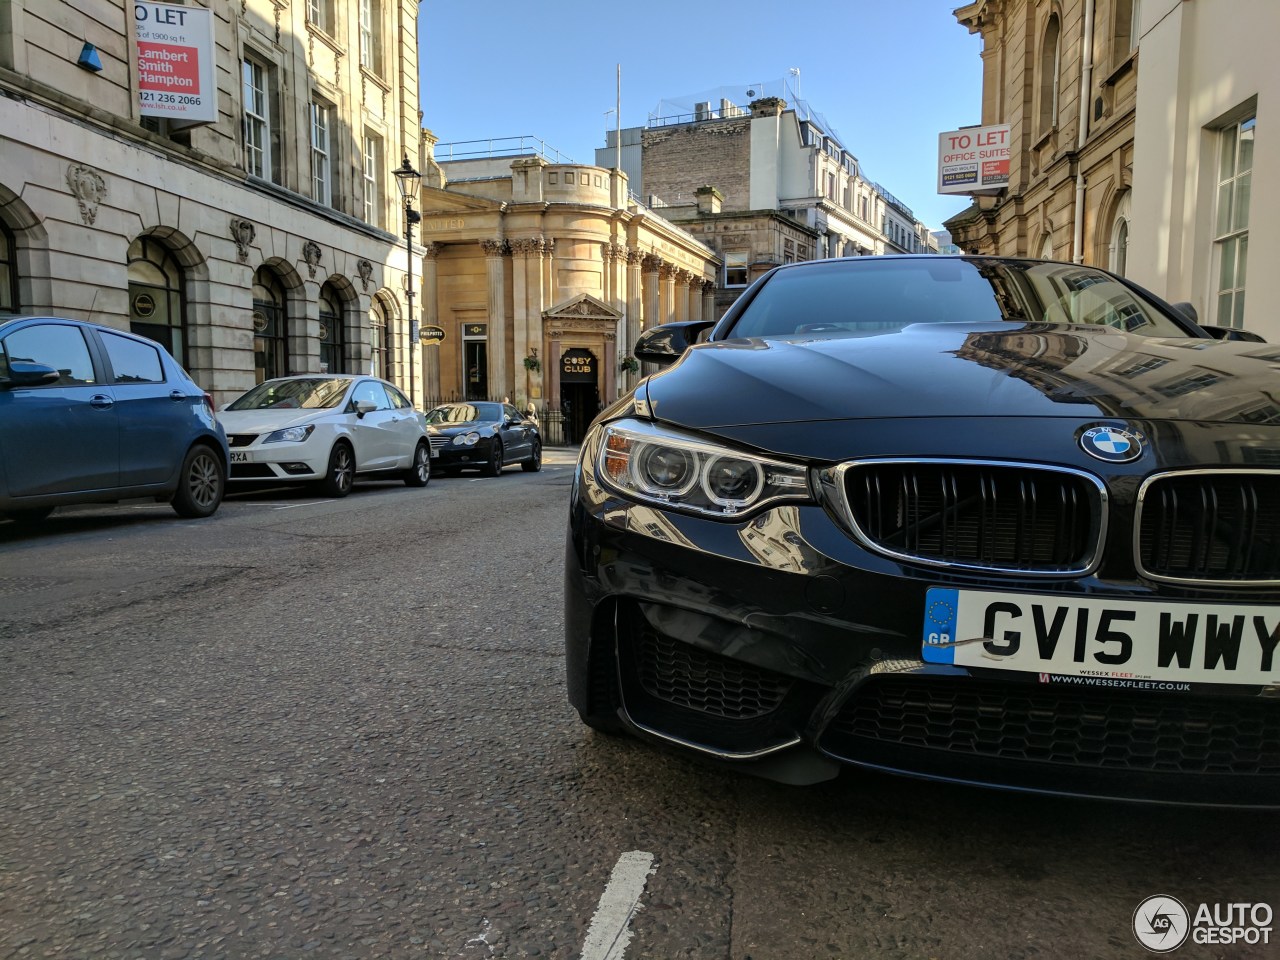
<point x="579" y="392"/>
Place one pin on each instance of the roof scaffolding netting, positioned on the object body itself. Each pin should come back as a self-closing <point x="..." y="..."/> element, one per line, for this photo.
<point x="740" y="95"/>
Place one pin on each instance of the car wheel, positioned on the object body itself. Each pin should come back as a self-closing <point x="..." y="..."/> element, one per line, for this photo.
<point x="495" y="464"/>
<point x="419" y="474"/>
<point x="534" y="463"/>
<point x="28" y="516"/>
<point x="201" y="483"/>
<point x="342" y="471"/>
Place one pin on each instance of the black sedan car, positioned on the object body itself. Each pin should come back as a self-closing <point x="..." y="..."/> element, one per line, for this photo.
<point x="483" y="435"/>
<point x="994" y="521"/>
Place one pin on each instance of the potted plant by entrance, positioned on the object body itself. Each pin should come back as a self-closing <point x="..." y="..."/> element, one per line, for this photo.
<point x="531" y="362"/>
<point x="629" y="364"/>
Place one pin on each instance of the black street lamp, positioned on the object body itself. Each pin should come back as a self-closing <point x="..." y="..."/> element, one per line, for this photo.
<point x="407" y="180"/>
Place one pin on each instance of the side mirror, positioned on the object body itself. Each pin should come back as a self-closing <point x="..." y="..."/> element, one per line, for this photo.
<point x="1231" y="333"/>
<point x="365" y="406"/>
<point x="665" y="345"/>
<point x="1188" y="310"/>
<point x="27" y="373"/>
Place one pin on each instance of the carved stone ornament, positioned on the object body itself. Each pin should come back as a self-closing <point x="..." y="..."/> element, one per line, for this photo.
<point x="527" y="247"/>
<point x="364" y="269"/>
<point x="635" y="256"/>
<point x="311" y="254"/>
<point x="495" y="248"/>
<point x="432" y="250"/>
<point x="652" y="262"/>
<point x="242" y="232"/>
<point x="88" y="188"/>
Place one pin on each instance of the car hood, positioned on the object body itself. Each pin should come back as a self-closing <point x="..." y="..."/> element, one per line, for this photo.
<point x="451" y="428"/>
<point x="261" y="421"/>
<point x="960" y="370"/>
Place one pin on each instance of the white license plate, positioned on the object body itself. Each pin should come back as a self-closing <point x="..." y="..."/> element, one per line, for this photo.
<point x="1109" y="643"/>
<point x="240" y="456"/>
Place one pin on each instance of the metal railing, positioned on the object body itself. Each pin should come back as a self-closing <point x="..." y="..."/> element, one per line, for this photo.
<point x="498" y="147"/>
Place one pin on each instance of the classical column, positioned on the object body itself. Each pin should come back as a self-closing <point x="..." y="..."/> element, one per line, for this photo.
<point x="554" y="349"/>
<point x="652" y="291"/>
<point x="708" y="300"/>
<point x="609" y="389"/>
<point x="546" y="295"/>
<point x="527" y="288"/>
<point x="668" y="274"/>
<point x="652" y="264"/>
<point x="635" y="295"/>
<point x="432" y="385"/>
<point x="608" y="291"/>
<point x="496" y="304"/>
<point x="684" y="284"/>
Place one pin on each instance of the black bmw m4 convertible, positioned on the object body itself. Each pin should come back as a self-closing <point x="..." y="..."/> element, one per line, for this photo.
<point x="995" y="521"/>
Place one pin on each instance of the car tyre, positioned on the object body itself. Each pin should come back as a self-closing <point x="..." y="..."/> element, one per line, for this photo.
<point x="534" y="463"/>
<point x="341" y="472"/>
<point x="201" y="483"/>
<point x="419" y="473"/>
<point x="494" y="467"/>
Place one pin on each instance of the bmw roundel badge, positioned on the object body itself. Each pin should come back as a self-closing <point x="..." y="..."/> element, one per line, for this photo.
<point x="1113" y="444"/>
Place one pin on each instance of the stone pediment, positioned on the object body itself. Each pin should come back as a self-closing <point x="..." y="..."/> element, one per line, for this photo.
<point x="582" y="307"/>
<point x="435" y="201"/>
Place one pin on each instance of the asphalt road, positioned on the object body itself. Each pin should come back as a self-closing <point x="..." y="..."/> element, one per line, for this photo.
<point x="312" y="728"/>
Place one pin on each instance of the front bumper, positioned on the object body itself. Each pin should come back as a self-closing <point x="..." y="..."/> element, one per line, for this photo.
<point x="446" y="454"/>
<point x="782" y="637"/>
<point x="279" y="462"/>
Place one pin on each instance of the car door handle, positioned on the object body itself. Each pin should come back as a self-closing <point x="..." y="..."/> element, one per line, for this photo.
<point x="101" y="401"/>
<point x="177" y="395"/>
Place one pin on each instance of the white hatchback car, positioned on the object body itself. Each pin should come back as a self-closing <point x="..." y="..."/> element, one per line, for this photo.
<point x="327" y="429"/>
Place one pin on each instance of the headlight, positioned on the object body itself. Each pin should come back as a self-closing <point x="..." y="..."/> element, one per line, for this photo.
<point x="658" y="465"/>
<point x="290" y="434"/>
<point x="466" y="439"/>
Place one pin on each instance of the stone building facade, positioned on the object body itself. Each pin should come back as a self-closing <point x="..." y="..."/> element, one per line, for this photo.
<point x="1063" y="74"/>
<point x="263" y="243"/>
<point x="763" y="184"/>
<point x="542" y="275"/>
<point x="1206" y="183"/>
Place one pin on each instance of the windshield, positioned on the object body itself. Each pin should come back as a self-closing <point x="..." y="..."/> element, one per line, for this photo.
<point x="301" y="394"/>
<point x="465" y="413"/>
<point x="873" y="295"/>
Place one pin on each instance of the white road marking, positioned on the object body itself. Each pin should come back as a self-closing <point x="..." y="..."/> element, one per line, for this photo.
<point x="610" y="929"/>
<point x="309" y="503"/>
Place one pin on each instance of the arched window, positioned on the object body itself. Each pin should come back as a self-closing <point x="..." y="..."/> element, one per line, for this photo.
<point x="379" y="345"/>
<point x="1050" y="65"/>
<point x="157" y="308"/>
<point x="8" y="272"/>
<point x="270" y="327"/>
<point x="1118" y="259"/>
<point x="1046" y="247"/>
<point x="332" y="345"/>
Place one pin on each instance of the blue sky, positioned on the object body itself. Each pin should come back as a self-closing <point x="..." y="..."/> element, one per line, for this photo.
<point x="889" y="75"/>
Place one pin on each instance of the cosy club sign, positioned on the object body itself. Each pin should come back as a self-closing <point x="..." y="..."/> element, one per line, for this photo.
<point x="578" y="366"/>
<point x="175" y="62"/>
<point x="974" y="159"/>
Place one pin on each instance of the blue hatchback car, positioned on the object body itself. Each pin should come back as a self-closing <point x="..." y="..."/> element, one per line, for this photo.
<point x="91" y="414"/>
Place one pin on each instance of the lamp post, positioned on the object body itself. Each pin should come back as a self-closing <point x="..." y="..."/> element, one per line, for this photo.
<point x="407" y="180"/>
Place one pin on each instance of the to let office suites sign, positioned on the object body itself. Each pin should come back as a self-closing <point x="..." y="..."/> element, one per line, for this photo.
<point x="974" y="159"/>
<point x="176" y="62"/>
